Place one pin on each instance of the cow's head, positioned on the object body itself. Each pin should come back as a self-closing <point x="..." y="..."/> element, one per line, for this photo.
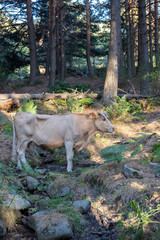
<point x="103" y="124"/>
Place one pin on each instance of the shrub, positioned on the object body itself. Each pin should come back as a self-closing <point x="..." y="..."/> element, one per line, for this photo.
<point x="61" y="87"/>
<point x="114" y="153"/>
<point x="123" y="109"/>
<point x="156" y="152"/>
<point x="82" y="87"/>
<point x="136" y="221"/>
<point x="155" y="81"/>
<point x="5" y="124"/>
<point x="74" y="105"/>
<point x="28" y="106"/>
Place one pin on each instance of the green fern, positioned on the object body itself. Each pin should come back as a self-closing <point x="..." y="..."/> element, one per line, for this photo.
<point x="137" y="150"/>
<point x="156" y="151"/>
<point x="74" y="105"/>
<point x="28" y="106"/>
<point x="114" y="153"/>
<point x="136" y="220"/>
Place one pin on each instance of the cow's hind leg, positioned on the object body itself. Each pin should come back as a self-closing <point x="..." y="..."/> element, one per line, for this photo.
<point x="69" y="154"/>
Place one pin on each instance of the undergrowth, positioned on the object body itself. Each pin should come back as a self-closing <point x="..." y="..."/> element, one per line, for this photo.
<point x="133" y="226"/>
<point x="5" y="125"/>
<point x="122" y="109"/>
<point x="28" y="106"/>
<point x="61" y="87"/>
<point x="64" y="206"/>
<point x="116" y="153"/>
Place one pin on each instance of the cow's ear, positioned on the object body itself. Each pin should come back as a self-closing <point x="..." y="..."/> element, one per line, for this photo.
<point x="92" y="115"/>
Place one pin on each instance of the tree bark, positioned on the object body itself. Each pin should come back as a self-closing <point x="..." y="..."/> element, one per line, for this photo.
<point x="132" y="36"/>
<point x="156" y="33"/>
<point x="62" y="41"/>
<point x="111" y="81"/>
<point x="150" y="35"/>
<point x="32" y="44"/>
<point x="52" y="47"/>
<point x="143" y="57"/>
<point x="88" y="54"/>
<point x="58" y="59"/>
<point x="128" y="39"/>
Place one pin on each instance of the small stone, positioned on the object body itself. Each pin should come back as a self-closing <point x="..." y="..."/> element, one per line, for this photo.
<point x="154" y="165"/>
<point x="41" y="152"/>
<point x="16" y="202"/>
<point x="32" y="183"/>
<point x="2" y="229"/>
<point x="52" y="191"/>
<point x="83" y="206"/>
<point x="64" y="191"/>
<point x="48" y="160"/>
<point x="131" y="172"/>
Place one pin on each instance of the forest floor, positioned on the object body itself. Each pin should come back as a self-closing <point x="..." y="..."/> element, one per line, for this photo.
<point x="104" y="184"/>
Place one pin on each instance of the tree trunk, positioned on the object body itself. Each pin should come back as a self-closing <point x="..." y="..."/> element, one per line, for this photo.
<point x="52" y="47"/>
<point x="62" y="41"/>
<point x="32" y="44"/>
<point x="150" y="36"/>
<point x="111" y="81"/>
<point x="90" y="70"/>
<point x="143" y="57"/>
<point x="58" y="61"/>
<point x="132" y="37"/>
<point x="156" y="33"/>
<point x="128" y="39"/>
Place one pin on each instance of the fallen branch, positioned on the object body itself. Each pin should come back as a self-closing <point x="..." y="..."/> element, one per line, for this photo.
<point x="136" y="96"/>
<point x="10" y="101"/>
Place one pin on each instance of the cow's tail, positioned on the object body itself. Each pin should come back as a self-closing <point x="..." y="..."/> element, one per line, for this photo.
<point x="14" y="151"/>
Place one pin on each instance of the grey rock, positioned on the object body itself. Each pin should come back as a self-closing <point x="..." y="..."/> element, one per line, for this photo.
<point x="41" y="152"/>
<point x="131" y="172"/>
<point x="52" y="191"/>
<point x="2" y="229"/>
<point x="64" y="191"/>
<point x="16" y="202"/>
<point x="83" y="206"/>
<point x="154" y="165"/>
<point x="32" y="183"/>
<point x="50" y="225"/>
<point x="48" y="160"/>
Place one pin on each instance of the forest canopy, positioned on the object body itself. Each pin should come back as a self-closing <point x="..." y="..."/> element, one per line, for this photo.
<point x="61" y="38"/>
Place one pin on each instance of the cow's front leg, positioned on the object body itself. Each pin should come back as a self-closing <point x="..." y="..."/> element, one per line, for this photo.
<point x="69" y="154"/>
<point x="21" y="155"/>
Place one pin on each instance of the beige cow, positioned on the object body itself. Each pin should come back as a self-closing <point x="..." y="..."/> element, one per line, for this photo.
<point x="71" y="130"/>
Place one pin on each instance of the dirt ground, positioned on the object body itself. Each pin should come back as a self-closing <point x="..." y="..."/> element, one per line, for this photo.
<point x="42" y="87"/>
<point x="106" y="186"/>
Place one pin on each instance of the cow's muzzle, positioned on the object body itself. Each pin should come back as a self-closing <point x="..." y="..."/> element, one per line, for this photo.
<point x="111" y="130"/>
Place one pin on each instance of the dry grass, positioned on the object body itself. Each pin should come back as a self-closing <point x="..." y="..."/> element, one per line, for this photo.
<point x="10" y="217"/>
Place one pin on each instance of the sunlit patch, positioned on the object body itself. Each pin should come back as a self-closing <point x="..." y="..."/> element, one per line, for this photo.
<point x="138" y="186"/>
<point x="117" y="176"/>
